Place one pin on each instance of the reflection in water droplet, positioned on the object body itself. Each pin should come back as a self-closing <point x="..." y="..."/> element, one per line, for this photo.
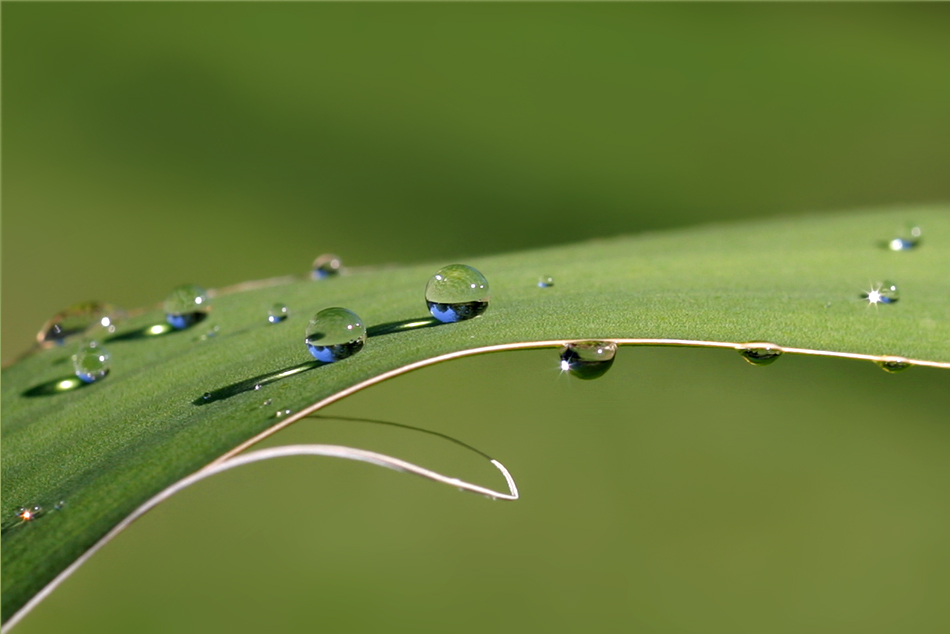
<point x="59" y="506"/>
<point x="186" y="306"/>
<point x="588" y="359"/>
<point x="28" y="514"/>
<point x="326" y="265"/>
<point x="91" y="363"/>
<point x="760" y="353"/>
<point x="281" y="413"/>
<point x="545" y="281"/>
<point x="335" y="334"/>
<point x="206" y="396"/>
<point x="278" y="313"/>
<point x="882" y="293"/>
<point x="457" y="292"/>
<point x="78" y="319"/>
<point x="893" y="364"/>
<point x="909" y="239"/>
<point x="269" y="401"/>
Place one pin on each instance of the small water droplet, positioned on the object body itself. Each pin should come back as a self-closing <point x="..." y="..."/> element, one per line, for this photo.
<point x="91" y="363"/>
<point x="257" y="387"/>
<point x="206" y="396"/>
<point x="893" y="364"/>
<point x="59" y="506"/>
<point x="278" y="313"/>
<point x="457" y="292"/>
<point x="760" y="353"/>
<point x="78" y="319"/>
<point x="269" y="401"/>
<point x="908" y="239"/>
<point x="29" y="513"/>
<point x="186" y="306"/>
<point x="545" y="281"/>
<point x="882" y="293"/>
<point x="335" y="334"/>
<point x="588" y="359"/>
<point x="281" y="413"/>
<point x="326" y="265"/>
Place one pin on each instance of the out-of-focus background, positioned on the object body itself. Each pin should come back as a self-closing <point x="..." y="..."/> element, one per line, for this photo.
<point x="148" y="145"/>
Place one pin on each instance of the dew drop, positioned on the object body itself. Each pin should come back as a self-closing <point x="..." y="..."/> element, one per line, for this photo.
<point x="258" y="386"/>
<point x="326" y="265"/>
<point x="545" y="281"/>
<point x="882" y="293"/>
<point x="907" y="240"/>
<point x="281" y="413"/>
<point x="206" y="396"/>
<point x="29" y="513"/>
<point x="760" y="353"/>
<point x="893" y="364"/>
<point x="91" y="363"/>
<point x="335" y="334"/>
<point x="59" y="506"/>
<point x="269" y="401"/>
<point x="457" y="292"/>
<point x="278" y="313"/>
<point x="78" y="319"/>
<point x="588" y="359"/>
<point x="186" y="306"/>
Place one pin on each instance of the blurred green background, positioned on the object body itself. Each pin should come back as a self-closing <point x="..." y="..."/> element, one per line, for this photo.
<point x="147" y="145"/>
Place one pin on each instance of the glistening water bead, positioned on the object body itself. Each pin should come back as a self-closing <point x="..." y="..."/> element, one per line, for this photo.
<point x="882" y="293"/>
<point x="457" y="292"/>
<point x="186" y="306"/>
<point x="278" y="313"/>
<point x="588" y="359"/>
<point x="77" y="319"/>
<point x="335" y="334"/>
<point x="760" y="353"/>
<point x="326" y="265"/>
<point x="545" y="281"/>
<point x="91" y="363"/>
<point x="893" y="364"/>
<point x="909" y="239"/>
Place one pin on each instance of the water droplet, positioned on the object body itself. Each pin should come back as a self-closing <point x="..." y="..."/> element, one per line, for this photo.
<point x="206" y="396"/>
<point x="907" y="240"/>
<point x="257" y="387"/>
<point x="78" y="319"/>
<point x="269" y="401"/>
<point x="91" y="362"/>
<point x="59" y="506"/>
<point x="335" y="334"/>
<point x="588" y="359"/>
<point x="760" y="353"/>
<point x="545" y="281"/>
<point x="327" y="265"/>
<point x="882" y="293"/>
<point x="457" y="292"/>
<point x="893" y="364"/>
<point x="186" y="306"/>
<point x="281" y="413"/>
<point x="28" y="514"/>
<point x="278" y="313"/>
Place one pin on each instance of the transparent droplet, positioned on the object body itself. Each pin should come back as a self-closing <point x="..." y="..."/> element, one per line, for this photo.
<point x="91" y="363"/>
<point x="326" y="265"/>
<point x="269" y="401"/>
<point x="77" y="319"/>
<point x="882" y="293"/>
<point x="760" y="353"/>
<point x="457" y="292"/>
<point x="258" y="386"/>
<point x="335" y="334"/>
<point x="588" y="359"/>
<point x="545" y="281"/>
<point x="908" y="239"/>
<point x="206" y="396"/>
<point x="281" y="413"/>
<point x="186" y="306"/>
<point x="59" y="506"/>
<point x="29" y="513"/>
<point x="278" y="313"/>
<point x="893" y="364"/>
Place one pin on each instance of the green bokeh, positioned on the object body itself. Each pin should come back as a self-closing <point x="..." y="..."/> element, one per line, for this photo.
<point x="145" y="146"/>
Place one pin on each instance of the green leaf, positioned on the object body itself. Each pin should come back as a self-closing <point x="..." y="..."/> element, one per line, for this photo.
<point x="107" y="448"/>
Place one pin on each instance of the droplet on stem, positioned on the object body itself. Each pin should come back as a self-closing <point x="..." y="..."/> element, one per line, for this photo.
<point x="588" y="359"/>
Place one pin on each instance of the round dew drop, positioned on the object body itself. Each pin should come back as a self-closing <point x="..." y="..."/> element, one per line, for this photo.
<point x="588" y="359"/>
<point x="882" y="293"/>
<point x="760" y="353"/>
<point x="186" y="306"/>
<point x="326" y="265"/>
<point x="91" y="363"/>
<point x="77" y="319"/>
<point x="545" y="281"/>
<point x="457" y="292"/>
<point x="335" y="334"/>
<point x="278" y="313"/>
<point x="893" y="364"/>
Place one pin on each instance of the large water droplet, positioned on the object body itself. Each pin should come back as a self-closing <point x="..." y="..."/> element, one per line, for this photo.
<point x="893" y="364"/>
<point x="278" y="313"/>
<point x="588" y="359"/>
<point x="907" y="240"/>
<point x="186" y="306"/>
<point x="92" y="362"/>
<point x="882" y="293"/>
<point x="457" y="292"/>
<point x="326" y="265"/>
<point x="78" y="319"/>
<point x="545" y="281"/>
<point x="760" y="353"/>
<point x="335" y="334"/>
